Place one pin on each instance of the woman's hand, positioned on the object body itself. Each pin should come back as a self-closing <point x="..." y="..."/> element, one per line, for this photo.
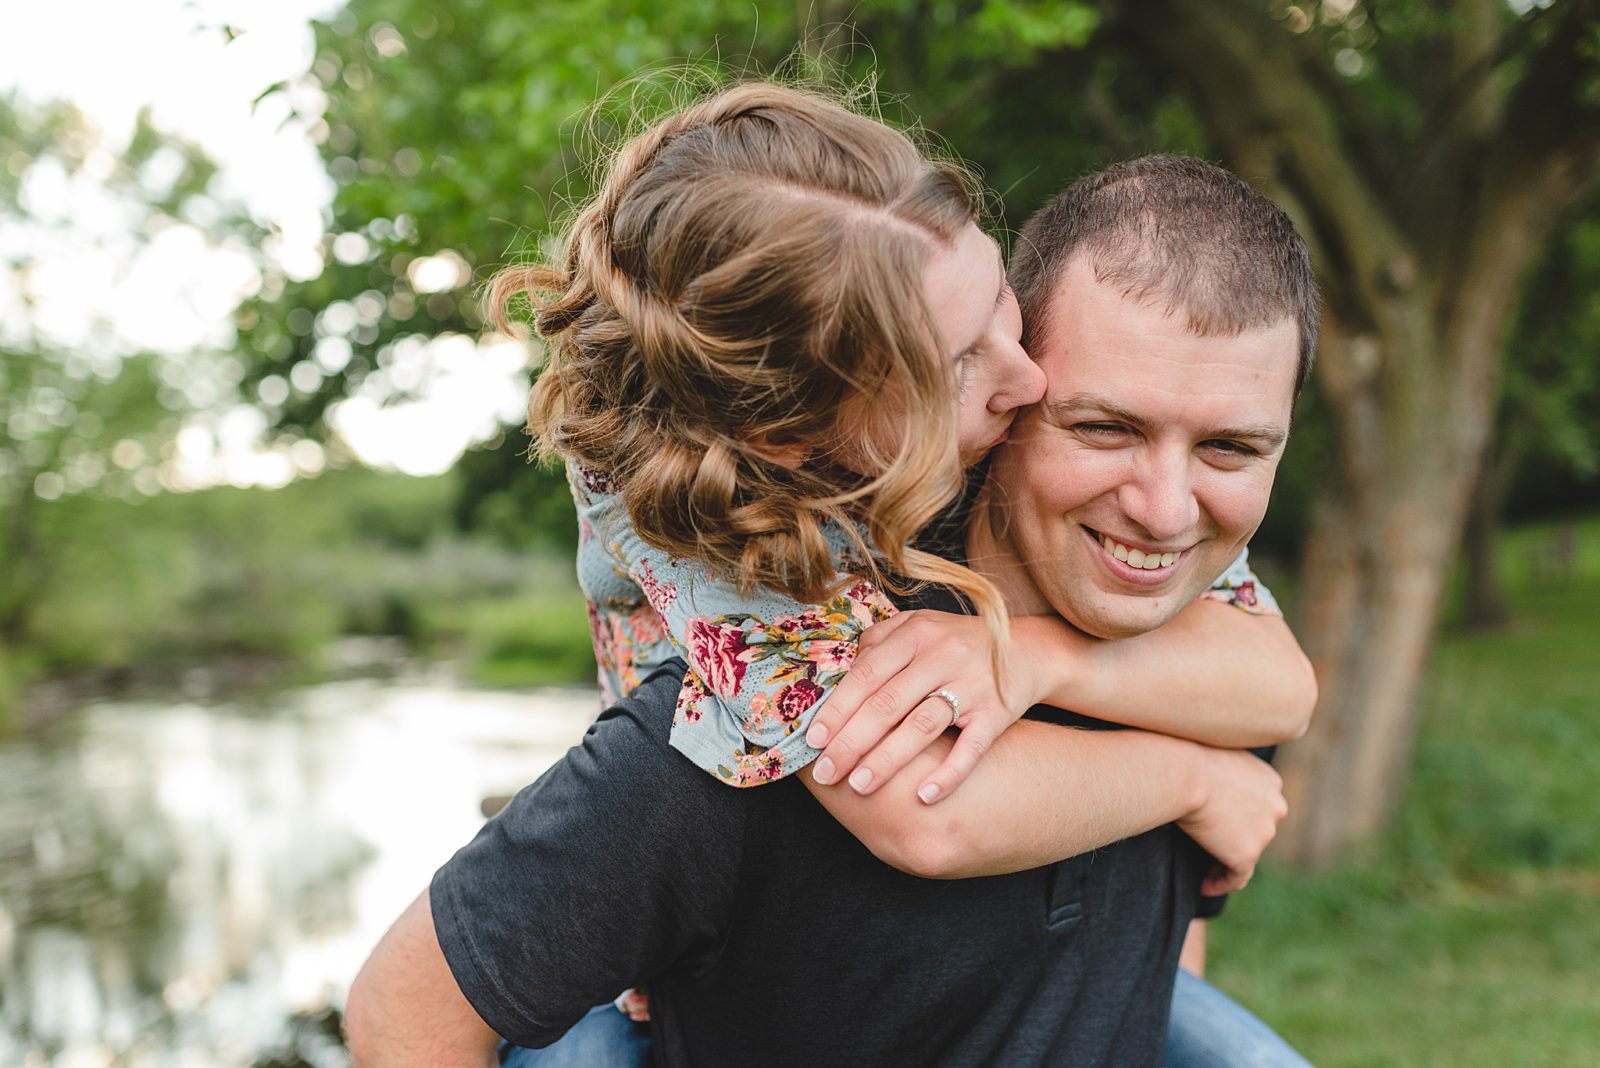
<point x="1237" y="816"/>
<point x="884" y="712"/>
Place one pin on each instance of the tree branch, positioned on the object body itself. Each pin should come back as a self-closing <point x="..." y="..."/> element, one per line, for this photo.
<point x="1259" y="100"/>
<point x="1553" y="104"/>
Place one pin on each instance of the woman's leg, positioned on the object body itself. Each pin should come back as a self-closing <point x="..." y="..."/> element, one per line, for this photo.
<point x="1208" y="1029"/>
<point x="605" y="1038"/>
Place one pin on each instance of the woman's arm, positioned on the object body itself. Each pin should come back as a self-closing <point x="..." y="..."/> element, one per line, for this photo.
<point x="1214" y="674"/>
<point x="1048" y="792"/>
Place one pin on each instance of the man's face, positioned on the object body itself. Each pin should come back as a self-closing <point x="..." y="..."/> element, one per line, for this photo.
<point x="1146" y="467"/>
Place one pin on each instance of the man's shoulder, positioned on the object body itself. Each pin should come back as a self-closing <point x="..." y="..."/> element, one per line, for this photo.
<point x="628" y="748"/>
<point x="646" y="713"/>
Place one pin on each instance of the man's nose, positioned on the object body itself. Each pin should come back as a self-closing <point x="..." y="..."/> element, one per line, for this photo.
<point x="1159" y="494"/>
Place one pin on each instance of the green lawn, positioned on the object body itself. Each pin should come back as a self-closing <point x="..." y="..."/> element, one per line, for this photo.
<point x="1470" y="934"/>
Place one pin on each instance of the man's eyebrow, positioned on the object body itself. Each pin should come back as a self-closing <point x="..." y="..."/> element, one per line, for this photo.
<point x="1266" y="436"/>
<point x="1087" y="403"/>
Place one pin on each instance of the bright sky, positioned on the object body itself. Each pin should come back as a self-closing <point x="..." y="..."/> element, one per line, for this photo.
<point x="113" y="57"/>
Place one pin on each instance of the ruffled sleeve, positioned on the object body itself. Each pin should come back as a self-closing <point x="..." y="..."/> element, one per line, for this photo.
<point x="760" y="664"/>
<point x="1240" y="587"/>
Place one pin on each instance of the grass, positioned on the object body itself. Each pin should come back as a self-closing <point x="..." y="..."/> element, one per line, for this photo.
<point x="1468" y="934"/>
<point x="528" y="639"/>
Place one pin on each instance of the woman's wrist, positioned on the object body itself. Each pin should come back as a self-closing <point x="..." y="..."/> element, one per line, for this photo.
<point x="1055" y="662"/>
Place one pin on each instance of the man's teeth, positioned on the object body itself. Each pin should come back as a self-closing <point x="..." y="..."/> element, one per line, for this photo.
<point x="1137" y="557"/>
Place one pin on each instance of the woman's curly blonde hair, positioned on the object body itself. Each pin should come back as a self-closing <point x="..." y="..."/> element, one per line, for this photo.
<point x="748" y="281"/>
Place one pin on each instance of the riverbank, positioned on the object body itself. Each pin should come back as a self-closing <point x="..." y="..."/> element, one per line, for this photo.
<point x="255" y="583"/>
<point x="515" y="641"/>
<point x="196" y="881"/>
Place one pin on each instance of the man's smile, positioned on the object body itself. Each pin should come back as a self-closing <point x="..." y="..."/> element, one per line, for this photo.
<point x="1145" y="565"/>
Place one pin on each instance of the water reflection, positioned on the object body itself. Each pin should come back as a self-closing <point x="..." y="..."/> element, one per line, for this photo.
<point x="177" y="880"/>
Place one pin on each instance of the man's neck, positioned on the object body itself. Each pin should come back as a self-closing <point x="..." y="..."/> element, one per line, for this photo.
<point x="992" y="554"/>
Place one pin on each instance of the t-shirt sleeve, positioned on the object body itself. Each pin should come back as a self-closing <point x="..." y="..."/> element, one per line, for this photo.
<point x="618" y="863"/>
<point x="760" y="663"/>
<point x="1240" y="587"/>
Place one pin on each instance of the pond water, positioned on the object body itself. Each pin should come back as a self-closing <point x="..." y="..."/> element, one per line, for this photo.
<point x="193" y="883"/>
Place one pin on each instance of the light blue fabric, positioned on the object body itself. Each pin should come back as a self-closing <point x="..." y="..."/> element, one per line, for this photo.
<point x="1239" y="579"/>
<point x="1208" y="1029"/>
<point x="605" y="1037"/>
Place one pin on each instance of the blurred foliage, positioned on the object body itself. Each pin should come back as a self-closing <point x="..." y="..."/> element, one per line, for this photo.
<point x="459" y="138"/>
<point x="148" y="585"/>
<point x="90" y="418"/>
<point x="107" y="573"/>
<point x="535" y="637"/>
<point x="1464" y="936"/>
<point x="1549" y="417"/>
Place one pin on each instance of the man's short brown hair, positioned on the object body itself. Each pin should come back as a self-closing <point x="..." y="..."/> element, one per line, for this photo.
<point x="1179" y="232"/>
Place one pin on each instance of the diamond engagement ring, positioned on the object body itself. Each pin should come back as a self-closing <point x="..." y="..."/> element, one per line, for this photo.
<point x="952" y="700"/>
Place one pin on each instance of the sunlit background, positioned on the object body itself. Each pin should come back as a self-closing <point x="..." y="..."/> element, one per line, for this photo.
<point x="97" y="282"/>
<point x="282" y="600"/>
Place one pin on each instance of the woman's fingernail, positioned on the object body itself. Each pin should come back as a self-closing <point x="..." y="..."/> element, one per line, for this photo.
<point x="860" y="779"/>
<point x="824" y="771"/>
<point x="817" y="736"/>
<point x="929" y="792"/>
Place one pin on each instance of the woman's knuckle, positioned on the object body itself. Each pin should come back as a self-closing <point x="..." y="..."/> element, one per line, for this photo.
<point x="928" y="720"/>
<point x="884" y="703"/>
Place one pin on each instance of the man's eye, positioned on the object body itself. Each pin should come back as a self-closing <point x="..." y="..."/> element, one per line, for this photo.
<point x="1101" y="430"/>
<point x="1232" y="448"/>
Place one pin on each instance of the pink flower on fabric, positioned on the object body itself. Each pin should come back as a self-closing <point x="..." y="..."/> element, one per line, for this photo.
<point x="759" y="767"/>
<point x="1245" y="593"/>
<point x="831" y="655"/>
<point x="660" y="594"/>
<point x="761" y="712"/>
<point x="793" y="700"/>
<point x="868" y="605"/>
<point x="597" y="481"/>
<point x="690" y="695"/>
<point x="717" y="652"/>
<point x="647" y="626"/>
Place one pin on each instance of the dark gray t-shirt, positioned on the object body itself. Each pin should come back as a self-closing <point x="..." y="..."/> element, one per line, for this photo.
<point x="768" y="935"/>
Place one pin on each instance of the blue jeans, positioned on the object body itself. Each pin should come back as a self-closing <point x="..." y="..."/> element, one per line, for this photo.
<point x="1208" y="1029"/>
<point x="605" y="1038"/>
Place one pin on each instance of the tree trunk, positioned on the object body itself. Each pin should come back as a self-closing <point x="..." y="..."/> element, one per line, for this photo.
<point x="1412" y="402"/>
<point x="1383" y="534"/>
<point x="1419" y="264"/>
<point x="1484" y="598"/>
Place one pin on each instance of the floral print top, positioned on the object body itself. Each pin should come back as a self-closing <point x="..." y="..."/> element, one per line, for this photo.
<point x="759" y="665"/>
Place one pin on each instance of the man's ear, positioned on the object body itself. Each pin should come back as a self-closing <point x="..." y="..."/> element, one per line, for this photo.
<point x="789" y="454"/>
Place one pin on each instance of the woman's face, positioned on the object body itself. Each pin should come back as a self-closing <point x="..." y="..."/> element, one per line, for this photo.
<point x="980" y="331"/>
